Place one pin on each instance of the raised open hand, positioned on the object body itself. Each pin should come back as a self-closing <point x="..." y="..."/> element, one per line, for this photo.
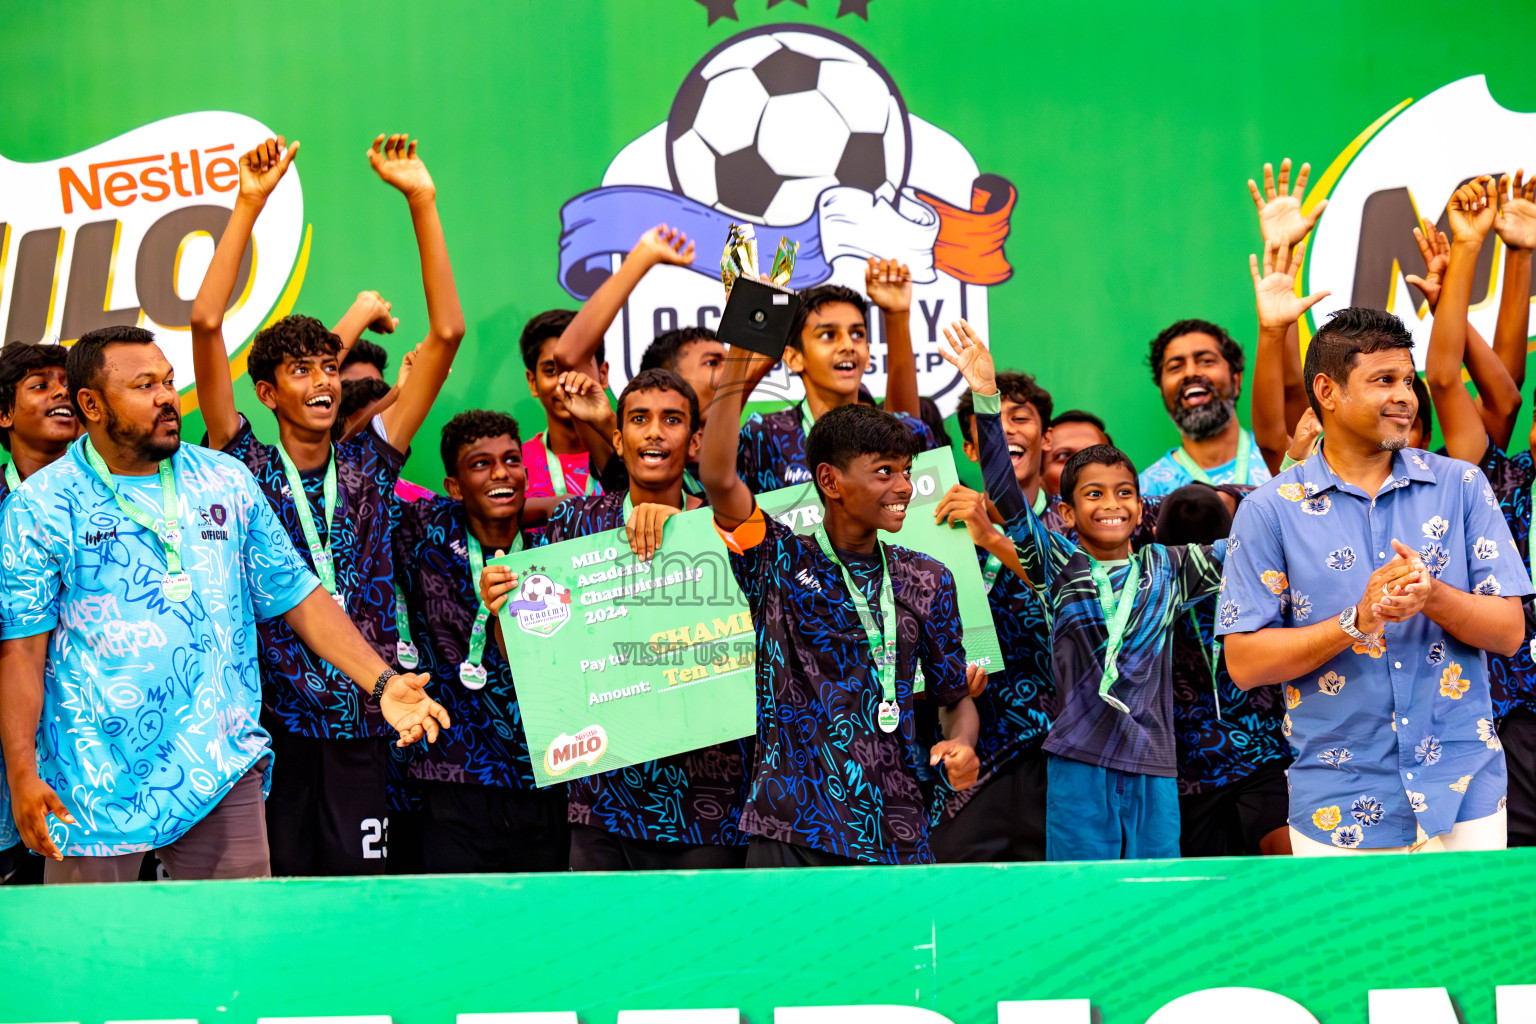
<point x="1516" y="219"/>
<point x="970" y="357"/>
<point x="582" y="397"/>
<point x="263" y="167"/>
<point x="1472" y="209"/>
<point x="1436" y="250"/>
<point x="1281" y="219"/>
<point x="1275" y="292"/>
<point x="662" y="244"/>
<point x="888" y="283"/>
<point x="394" y="159"/>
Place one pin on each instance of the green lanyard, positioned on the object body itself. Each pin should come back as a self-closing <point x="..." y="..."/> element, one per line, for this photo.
<point x="557" y="470"/>
<point x="1114" y="621"/>
<point x="990" y="571"/>
<point x="629" y="506"/>
<point x="994" y="565"/>
<point x="1530" y="536"/>
<point x="882" y="645"/>
<point x="807" y="421"/>
<point x="319" y="554"/>
<point x="1212" y="657"/>
<point x="691" y="485"/>
<point x="1239" y="475"/>
<point x="405" y="651"/>
<point x="1530" y="533"/>
<point x="176" y="585"/>
<point x="12" y="478"/>
<point x="471" y="674"/>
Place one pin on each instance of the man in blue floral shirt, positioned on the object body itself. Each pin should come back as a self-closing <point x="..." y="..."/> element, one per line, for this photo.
<point x="1378" y="645"/>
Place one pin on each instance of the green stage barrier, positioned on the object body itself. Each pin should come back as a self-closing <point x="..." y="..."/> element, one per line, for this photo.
<point x="1331" y="941"/>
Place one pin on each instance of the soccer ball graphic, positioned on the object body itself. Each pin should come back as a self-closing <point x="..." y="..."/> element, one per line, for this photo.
<point x="538" y="588"/>
<point x="769" y="120"/>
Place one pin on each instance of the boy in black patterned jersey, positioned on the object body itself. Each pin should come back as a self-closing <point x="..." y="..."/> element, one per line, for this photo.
<point x="842" y="621"/>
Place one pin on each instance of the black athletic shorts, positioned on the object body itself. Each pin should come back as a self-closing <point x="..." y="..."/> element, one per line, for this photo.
<point x="1004" y="821"/>
<point x="771" y="853"/>
<point x="328" y="813"/>
<point x="1230" y="820"/>
<point x="468" y="828"/>
<point x="1518" y="734"/>
<point x="593" y="849"/>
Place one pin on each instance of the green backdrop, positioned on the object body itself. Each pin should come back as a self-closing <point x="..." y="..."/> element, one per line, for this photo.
<point x="1130" y="136"/>
<point x="954" y="939"/>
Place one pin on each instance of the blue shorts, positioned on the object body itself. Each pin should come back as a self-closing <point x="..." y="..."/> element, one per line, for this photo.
<point x="1094" y="813"/>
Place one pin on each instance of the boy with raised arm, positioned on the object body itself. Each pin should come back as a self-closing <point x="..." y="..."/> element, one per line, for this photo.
<point x="479" y="805"/>
<point x="37" y="424"/>
<point x="328" y="807"/>
<point x="678" y="812"/>
<point x="1111" y="788"/>
<point x="829" y="351"/>
<point x="559" y="340"/>
<point x="1002" y="817"/>
<point x="556" y="458"/>
<point x="842" y="622"/>
<point x="1474" y="210"/>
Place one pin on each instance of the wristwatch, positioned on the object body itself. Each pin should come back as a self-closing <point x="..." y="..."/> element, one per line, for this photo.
<point x="1347" y="623"/>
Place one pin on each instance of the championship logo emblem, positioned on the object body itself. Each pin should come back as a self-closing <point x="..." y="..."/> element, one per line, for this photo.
<point x="121" y="234"/>
<point x="1403" y="167"/>
<point x="802" y="132"/>
<point x="541" y="607"/>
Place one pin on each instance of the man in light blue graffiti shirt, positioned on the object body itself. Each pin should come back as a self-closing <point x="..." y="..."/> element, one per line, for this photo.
<point x="1367" y="581"/>
<point x="134" y="571"/>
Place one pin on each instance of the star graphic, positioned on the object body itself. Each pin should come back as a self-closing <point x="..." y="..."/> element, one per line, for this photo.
<point x="859" y="7"/>
<point x="721" y="9"/>
<point x="774" y="3"/>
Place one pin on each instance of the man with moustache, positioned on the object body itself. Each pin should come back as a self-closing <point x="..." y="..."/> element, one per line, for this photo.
<point x="1378" y="645"/>
<point x="135" y="571"/>
<point x="1199" y="369"/>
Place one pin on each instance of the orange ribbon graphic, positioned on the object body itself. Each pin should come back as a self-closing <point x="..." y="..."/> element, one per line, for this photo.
<point x="970" y="242"/>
